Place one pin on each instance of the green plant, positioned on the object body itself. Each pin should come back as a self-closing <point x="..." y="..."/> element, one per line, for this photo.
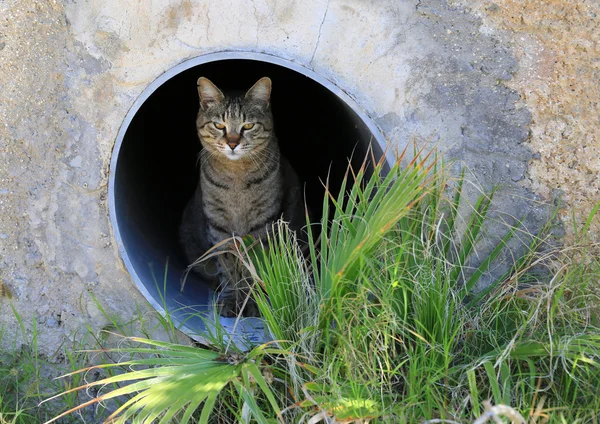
<point x="387" y="303"/>
<point x="23" y="383"/>
<point x="19" y="377"/>
<point x="169" y="382"/>
<point x="385" y="321"/>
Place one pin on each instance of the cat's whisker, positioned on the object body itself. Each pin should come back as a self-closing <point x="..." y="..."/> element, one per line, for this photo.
<point x="253" y="159"/>
<point x="271" y="156"/>
<point x="209" y="155"/>
<point x="199" y="158"/>
<point x="260" y="163"/>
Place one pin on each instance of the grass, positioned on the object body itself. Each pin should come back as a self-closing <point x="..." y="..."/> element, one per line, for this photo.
<point x="384" y="320"/>
<point x="24" y="382"/>
<point x="27" y="378"/>
<point x="392" y="320"/>
<point x="16" y="369"/>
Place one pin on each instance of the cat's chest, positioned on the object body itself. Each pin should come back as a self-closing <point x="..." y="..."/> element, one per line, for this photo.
<point x="238" y="204"/>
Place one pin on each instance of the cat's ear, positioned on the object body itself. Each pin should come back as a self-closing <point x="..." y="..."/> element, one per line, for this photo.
<point x="209" y="93"/>
<point x="261" y="91"/>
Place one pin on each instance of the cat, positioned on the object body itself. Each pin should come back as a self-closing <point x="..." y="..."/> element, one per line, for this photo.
<point x="245" y="185"/>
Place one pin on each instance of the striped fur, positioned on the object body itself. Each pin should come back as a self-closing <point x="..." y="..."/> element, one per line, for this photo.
<point x="245" y="185"/>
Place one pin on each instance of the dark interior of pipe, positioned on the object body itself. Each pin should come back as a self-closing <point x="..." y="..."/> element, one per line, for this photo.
<point x="157" y="167"/>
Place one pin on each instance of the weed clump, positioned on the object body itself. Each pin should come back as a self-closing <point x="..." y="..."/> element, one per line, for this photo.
<point x="383" y="320"/>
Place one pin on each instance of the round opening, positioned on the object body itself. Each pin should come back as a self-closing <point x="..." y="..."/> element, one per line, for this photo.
<point x="154" y="168"/>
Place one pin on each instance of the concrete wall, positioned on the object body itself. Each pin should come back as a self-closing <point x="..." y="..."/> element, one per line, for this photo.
<point x="69" y="72"/>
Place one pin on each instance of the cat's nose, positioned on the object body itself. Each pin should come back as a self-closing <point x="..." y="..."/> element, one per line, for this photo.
<point x="233" y="140"/>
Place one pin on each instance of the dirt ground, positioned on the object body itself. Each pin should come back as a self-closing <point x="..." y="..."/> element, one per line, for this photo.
<point x="557" y="44"/>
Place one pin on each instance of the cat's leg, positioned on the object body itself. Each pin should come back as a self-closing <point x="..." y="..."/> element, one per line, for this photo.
<point x="193" y="236"/>
<point x="228" y="297"/>
<point x="244" y="289"/>
<point x="235" y="295"/>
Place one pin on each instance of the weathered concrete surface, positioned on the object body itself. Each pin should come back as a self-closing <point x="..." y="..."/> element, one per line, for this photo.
<point x="70" y="71"/>
<point x="557" y="44"/>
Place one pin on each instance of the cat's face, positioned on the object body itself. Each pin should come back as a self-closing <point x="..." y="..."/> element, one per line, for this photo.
<point x="236" y="127"/>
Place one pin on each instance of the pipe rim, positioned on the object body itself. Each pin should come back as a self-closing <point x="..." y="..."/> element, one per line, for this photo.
<point x="158" y="82"/>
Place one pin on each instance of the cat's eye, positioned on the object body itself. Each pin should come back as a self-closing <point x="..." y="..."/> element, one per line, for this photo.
<point x="219" y="126"/>
<point x="248" y="126"/>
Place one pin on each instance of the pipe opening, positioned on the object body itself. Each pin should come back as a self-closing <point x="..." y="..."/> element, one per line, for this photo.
<point x="154" y="168"/>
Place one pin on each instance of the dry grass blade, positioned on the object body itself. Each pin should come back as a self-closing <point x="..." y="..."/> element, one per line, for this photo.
<point x="497" y="411"/>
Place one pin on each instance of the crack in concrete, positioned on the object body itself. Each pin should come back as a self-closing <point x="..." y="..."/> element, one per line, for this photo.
<point x="255" y="18"/>
<point x="207" y="20"/>
<point x="319" y="35"/>
<point x="183" y="43"/>
<point x="239" y="32"/>
<point x="387" y="51"/>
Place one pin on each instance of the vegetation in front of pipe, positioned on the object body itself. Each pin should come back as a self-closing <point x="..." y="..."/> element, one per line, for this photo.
<point x="26" y="376"/>
<point x="24" y="380"/>
<point x="17" y="369"/>
<point x="393" y="330"/>
<point x="382" y="324"/>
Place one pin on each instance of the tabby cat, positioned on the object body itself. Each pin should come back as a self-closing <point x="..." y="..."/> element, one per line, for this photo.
<point x="245" y="185"/>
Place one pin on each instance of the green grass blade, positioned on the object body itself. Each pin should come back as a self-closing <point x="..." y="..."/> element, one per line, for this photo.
<point x="472" y="379"/>
<point x="505" y="377"/>
<point x="453" y="211"/>
<point x="260" y="380"/>
<point x="589" y="220"/>
<point x="492" y="380"/>
<point x="174" y="409"/>
<point x="249" y="399"/>
<point x="472" y="234"/>
<point x="485" y="265"/>
<point x="193" y="406"/>
<point x="207" y="408"/>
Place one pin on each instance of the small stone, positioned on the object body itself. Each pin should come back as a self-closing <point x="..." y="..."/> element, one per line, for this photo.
<point x="52" y="322"/>
<point x="492" y="8"/>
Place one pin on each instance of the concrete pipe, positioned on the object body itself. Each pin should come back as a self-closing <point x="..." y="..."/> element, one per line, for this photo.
<point x="154" y="167"/>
